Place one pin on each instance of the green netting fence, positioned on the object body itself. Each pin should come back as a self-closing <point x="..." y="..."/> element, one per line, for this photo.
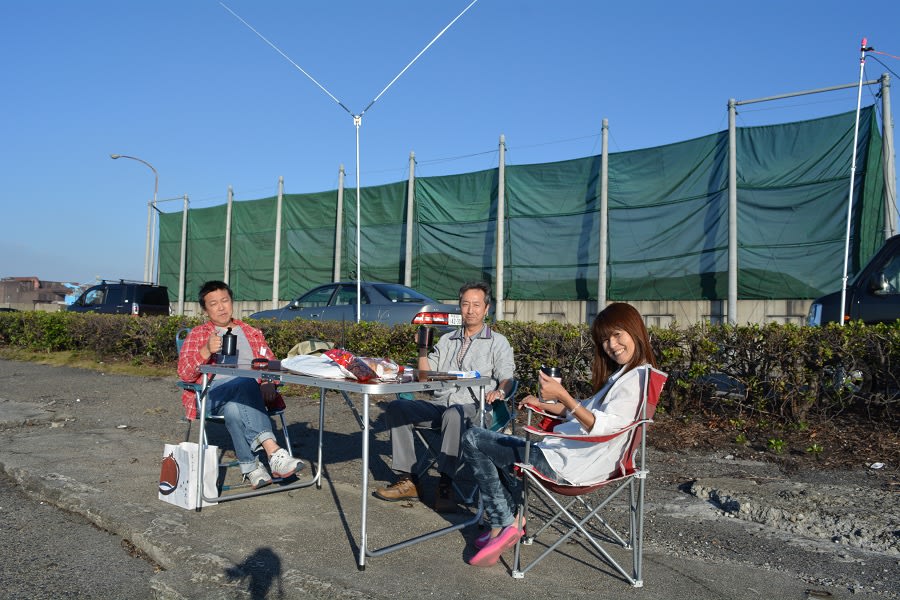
<point x="667" y="216"/>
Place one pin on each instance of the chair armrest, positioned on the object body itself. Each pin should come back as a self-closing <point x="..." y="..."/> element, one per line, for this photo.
<point x="533" y="409"/>
<point x="548" y="420"/>
<point x="531" y="429"/>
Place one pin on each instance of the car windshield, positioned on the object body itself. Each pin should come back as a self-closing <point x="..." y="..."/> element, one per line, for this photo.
<point x="401" y="293"/>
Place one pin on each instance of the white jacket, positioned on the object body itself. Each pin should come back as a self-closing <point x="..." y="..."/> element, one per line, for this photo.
<point x="614" y="406"/>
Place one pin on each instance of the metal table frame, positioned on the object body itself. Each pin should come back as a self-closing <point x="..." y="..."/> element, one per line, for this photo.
<point x="345" y="387"/>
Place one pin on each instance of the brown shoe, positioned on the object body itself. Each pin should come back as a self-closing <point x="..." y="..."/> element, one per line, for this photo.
<point x="443" y="500"/>
<point x="404" y="489"/>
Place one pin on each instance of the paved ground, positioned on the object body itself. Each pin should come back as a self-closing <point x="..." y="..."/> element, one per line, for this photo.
<point x="44" y="557"/>
<point x="716" y="528"/>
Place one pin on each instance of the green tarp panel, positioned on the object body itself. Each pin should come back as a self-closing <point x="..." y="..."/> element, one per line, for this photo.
<point x="668" y="221"/>
<point x="553" y="225"/>
<point x="668" y="224"/>
<point x="205" y="257"/>
<point x="454" y="211"/>
<point x="793" y="187"/>
<point x="382" y="233"/>
<point x="307" y="241"/>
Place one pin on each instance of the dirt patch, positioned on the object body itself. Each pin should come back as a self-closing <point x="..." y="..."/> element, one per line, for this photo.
<point x="826" y="445"/>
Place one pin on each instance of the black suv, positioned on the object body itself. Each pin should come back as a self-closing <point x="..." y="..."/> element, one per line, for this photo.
<point x="124" y="298"/>
<point x="873" y="296"/>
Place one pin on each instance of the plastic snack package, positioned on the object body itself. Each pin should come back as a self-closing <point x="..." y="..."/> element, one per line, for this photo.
<point x="351" y="365"/>
<point x="384" y="368"/>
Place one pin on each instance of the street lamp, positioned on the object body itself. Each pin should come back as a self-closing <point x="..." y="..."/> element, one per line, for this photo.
<point x="148" y="265"/>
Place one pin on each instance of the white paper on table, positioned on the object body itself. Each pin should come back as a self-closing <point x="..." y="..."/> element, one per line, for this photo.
<point x="313" y="365"/>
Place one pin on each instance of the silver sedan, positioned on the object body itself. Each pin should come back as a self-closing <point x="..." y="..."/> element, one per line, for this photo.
<point x="388" y="303"/>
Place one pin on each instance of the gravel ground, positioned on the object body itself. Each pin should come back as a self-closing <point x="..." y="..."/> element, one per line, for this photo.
<point x="831" y="527"/>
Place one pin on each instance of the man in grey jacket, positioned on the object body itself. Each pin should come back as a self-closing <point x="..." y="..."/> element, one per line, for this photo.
<point x="474" y="347"/>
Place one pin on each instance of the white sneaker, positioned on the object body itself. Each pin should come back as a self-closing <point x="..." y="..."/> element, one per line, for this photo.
<point x="258" y="477"/>
<point x="283" y="464"/>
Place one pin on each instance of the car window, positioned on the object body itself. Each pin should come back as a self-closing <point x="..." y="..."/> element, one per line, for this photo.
<point x="316" y="298"/>
<point x="892" y="273"/>
<point x="346" y="295"/>
<point x="155" y="296"/>
<point x="114" y="295"/>
<point x="400" y="293"/>
<point x="94" y="297"/>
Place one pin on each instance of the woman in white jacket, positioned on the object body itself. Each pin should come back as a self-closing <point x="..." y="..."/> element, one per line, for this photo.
<point x="621" y="345"/>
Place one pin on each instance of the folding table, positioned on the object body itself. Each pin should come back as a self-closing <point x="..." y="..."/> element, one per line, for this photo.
<point x="419" y="382"/>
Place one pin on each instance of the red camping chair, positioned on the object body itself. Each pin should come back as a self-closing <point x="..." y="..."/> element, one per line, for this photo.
<point x="574" y="511"/>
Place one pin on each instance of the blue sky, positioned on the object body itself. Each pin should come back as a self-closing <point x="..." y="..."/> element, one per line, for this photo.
<point x="187" y="87"/>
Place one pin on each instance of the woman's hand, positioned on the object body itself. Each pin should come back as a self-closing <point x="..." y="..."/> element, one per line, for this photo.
<point x="551" y="389"/>
<point x="553" y="408"/>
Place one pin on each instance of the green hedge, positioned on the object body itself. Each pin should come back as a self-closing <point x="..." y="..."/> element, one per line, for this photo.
<point x="785" y="372"/>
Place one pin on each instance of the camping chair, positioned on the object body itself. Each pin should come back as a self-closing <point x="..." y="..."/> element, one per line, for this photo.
<point x="503" y="416"/>
<point x="219" y="419"/>
<point x="574" y="508"/>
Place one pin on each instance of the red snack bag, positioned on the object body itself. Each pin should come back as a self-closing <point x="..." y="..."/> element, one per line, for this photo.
<point x="351" y="365"/>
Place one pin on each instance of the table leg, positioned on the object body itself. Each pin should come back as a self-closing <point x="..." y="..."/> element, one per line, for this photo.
<point x="321" y="437"/>
<point x="361" y="565"/>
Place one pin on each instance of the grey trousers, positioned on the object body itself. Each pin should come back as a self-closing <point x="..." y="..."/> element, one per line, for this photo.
<point x="402" y="415"/>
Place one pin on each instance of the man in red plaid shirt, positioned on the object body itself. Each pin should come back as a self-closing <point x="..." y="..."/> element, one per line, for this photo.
<point x="241" y="400"/>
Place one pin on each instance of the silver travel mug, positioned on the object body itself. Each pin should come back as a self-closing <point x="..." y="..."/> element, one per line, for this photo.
<point x="555" y="373"/>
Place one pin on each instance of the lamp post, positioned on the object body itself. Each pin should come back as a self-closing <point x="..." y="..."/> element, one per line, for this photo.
<point x="148" y="266"/>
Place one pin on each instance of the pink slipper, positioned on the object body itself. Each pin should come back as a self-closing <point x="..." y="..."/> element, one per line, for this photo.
<point x="490" y="554"/>
<point x="482" y="540"/>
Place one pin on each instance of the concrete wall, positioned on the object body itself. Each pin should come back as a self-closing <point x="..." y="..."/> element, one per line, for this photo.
<point x="663" y="313"/>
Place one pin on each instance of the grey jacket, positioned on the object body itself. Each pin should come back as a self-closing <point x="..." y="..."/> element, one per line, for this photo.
<point x="489" y="353"/>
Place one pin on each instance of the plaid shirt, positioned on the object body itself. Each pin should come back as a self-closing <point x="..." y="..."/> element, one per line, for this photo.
<point x="190" y="359"/>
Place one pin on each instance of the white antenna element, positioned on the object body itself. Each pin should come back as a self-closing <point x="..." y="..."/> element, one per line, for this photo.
<point x="357" y="121"/>
<point x="862" y="65"/>
<point x="288" y="58"/>
<point x="449" y="25"/>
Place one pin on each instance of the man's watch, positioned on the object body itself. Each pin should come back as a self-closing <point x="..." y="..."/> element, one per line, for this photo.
<point x="502" y="392"/>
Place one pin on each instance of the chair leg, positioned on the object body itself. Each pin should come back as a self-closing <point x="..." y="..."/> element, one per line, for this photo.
<point x="429" y="458"/>
<point x="287" y="435"/>
<point x="577" y="525"/>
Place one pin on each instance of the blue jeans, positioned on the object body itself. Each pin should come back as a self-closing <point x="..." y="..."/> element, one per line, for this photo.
<point x="240" y="402"/>
<point x="491" y="456"/>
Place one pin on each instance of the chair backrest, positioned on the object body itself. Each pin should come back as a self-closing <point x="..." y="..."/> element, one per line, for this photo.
<point x="179" y="338"/>
<point x="652" y="382"/>
<point x="504" y="412"/>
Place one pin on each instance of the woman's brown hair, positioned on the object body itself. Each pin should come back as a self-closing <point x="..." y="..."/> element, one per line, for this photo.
<point x="625" y="317"/>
